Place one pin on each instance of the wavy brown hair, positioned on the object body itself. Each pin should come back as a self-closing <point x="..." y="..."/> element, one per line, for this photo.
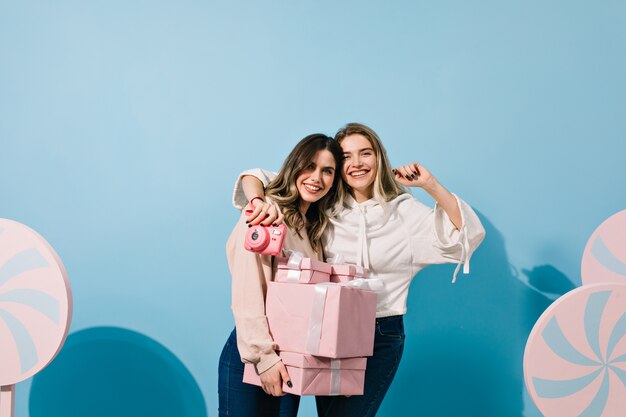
<point x="283" y="189"/>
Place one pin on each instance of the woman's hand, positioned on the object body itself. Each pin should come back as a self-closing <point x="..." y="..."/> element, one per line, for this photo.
<point x="272" y="379"/>
<point x="414" y="175"/>
<point x="261" y="212"/>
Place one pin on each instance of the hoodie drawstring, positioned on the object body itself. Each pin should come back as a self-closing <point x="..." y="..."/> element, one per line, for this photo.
<point x="362" y="256"/>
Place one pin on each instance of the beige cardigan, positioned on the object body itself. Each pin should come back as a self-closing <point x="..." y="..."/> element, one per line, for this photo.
<point x="250" y="274"/>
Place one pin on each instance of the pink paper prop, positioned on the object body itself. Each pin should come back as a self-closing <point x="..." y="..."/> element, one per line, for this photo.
<point x="575" y="357"/>
<point x="604" y="258"/>
<point x="329" y="320"/>
<point x="35" y="307"/>
<point x="311" y="375"/>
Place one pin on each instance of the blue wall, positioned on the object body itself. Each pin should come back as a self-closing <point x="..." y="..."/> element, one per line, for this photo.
<point x="123" y="125"/>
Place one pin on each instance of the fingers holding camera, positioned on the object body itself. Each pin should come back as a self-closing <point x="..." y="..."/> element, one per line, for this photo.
<point x="264" y="213"/>
<point x="257" y="211"/>
<point x="274" y="216"/>
<point x="280" y="218"/>
<point x="252" y="211"/>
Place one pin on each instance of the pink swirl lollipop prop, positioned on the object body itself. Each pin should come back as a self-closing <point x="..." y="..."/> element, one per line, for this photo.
<point x="604" y="258"/>
<point x="35" y="307"/>
<point x="575" y="357"/>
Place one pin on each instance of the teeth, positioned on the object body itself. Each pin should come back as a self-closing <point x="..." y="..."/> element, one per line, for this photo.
<point x="358" y="173"/>
<point x="311" y="187"/>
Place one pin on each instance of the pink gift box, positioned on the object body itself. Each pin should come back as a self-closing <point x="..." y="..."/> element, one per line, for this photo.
<point x="311" y="375"/>
<point x="310" y="271"/>
<point x="346" y="272"/>
<point x="329" y="320"/>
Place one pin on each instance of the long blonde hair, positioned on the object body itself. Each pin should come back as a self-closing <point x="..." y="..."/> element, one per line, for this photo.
<point x="385" y="186"/>
<point x="283" y="189"/>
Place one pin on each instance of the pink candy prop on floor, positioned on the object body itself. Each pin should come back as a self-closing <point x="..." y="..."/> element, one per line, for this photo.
<point x="604" y="258"/>
<point x="575" y="358"/>
<point x="35" y="307"/>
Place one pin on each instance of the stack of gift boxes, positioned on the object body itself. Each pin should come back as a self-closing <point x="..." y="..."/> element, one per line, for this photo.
<point x="323" y="325"/>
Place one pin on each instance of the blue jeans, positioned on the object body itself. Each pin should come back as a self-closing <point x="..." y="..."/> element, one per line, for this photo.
<point x="380" y="370"/>
<point x="237" y="399"/>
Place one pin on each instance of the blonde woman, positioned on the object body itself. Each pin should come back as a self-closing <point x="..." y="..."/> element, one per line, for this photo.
<point x="378" y="225"/>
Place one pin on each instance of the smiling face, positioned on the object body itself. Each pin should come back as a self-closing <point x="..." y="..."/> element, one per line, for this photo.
<point x="316" y="179"/>
<point x="359" y="166"/>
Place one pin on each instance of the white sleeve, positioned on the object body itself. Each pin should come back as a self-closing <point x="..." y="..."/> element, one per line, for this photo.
<point x="465" y="241"/>
<point x="239" y="197"/>
<point x="436" y="240"/>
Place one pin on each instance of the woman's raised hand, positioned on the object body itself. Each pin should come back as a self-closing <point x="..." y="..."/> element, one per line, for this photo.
<point x="414" y="175"/>
<point x="261" y="212"/>
<point x="272" y="379"/>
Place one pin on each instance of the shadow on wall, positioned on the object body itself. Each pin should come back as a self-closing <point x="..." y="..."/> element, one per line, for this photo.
<point x="465" y="342"/>
<point x="108" y="371"/>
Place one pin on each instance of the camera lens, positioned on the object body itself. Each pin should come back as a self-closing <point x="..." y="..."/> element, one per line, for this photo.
<point x="255" y="235"/>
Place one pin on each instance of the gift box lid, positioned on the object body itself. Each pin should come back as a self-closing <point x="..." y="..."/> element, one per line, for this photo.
<point x="301" y="360"/>
<point x="305" y="263"/>
<point x="348" y="269"/>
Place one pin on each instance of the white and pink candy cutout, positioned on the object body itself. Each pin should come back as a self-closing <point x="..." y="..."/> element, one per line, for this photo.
<point x="604" y="258"/>
<point x="35" y="307"/>
<point x="575" y="357"/>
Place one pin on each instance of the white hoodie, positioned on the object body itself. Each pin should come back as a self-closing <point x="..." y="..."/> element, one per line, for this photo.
<point x="394" y="242"/>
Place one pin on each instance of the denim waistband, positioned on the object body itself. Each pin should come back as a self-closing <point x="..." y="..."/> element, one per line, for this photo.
<point x="388" y="318"/>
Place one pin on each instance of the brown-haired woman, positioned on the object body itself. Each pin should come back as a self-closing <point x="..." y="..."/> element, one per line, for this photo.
<point x="304" y="190"/>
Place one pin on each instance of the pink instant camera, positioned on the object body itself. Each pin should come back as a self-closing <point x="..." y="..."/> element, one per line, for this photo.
<point x="266" y="240"/>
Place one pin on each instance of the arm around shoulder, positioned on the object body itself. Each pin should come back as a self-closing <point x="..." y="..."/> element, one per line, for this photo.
<point x="249" y="184"/>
